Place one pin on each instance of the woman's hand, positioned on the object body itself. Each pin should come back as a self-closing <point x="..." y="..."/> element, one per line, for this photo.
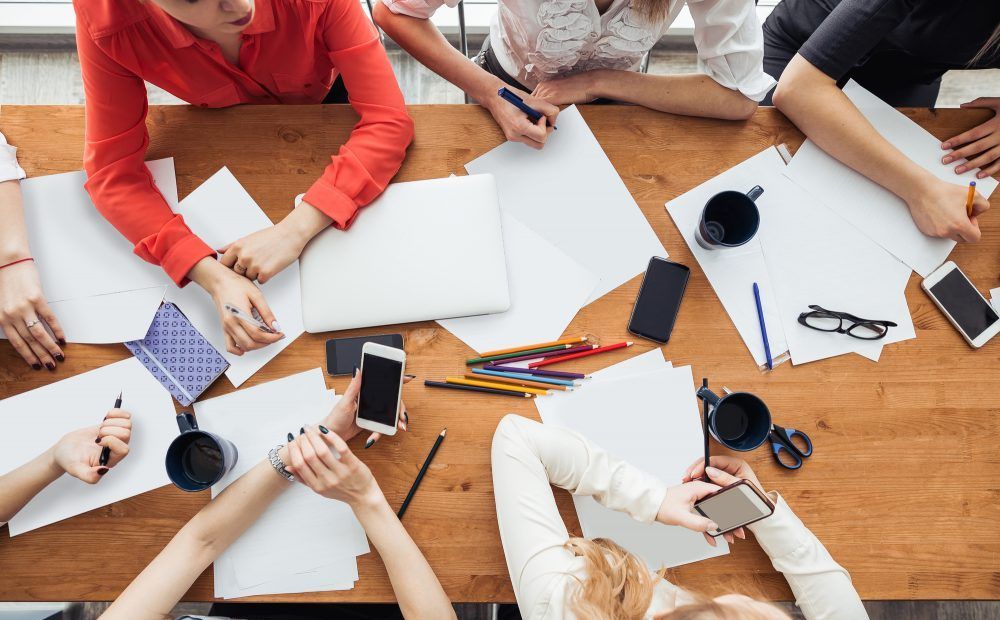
<point x="24" y="315"/>
<point x="226" y="287"/>
<point x="79" y="455"/>
<point x="678" y="509"/>
<point x="342" y="419"/>
<point x="980" y="146"/>
<point x="264" y="254"/>
<point x="324" y="463"/>
<point x="514" y="123"/>
<point x="728" y="464"/>
<point x="573" y="89"/>
<point x="938" y="210"/>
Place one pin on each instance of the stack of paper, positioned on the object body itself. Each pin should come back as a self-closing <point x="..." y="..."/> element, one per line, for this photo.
<point x="262" y="561"/>
<point x="35" y="420"/>
<point x="656" y="427"/>
<point x="572" y="233"/>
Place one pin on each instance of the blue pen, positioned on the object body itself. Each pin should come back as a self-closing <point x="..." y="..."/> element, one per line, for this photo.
<point x="763" y="328"/>
<point x="519" y="103"/>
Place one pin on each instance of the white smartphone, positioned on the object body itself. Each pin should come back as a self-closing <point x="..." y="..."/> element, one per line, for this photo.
<point x="382" y="371"/>
<point x="734" y="506"/>
<point x="962" y="304"/>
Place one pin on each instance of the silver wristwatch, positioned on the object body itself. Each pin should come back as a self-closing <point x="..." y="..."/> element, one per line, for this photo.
<point x="278" y="464"/>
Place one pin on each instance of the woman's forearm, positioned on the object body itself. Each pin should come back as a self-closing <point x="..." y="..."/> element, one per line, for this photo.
<point x="18" y="487"/>
<point x="13" y="233"/>
<point x="157" y="589"/>
<point x="687" y="94"/>
<point x="417" y="588"/>
<point x="812" y="101"/>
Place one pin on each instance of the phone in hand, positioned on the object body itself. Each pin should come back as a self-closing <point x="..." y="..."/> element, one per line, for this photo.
<point x="343" y="354"/>
<point x="962" y="304"/>
<point x="382" y="370"/>
<point x="659" y="300"/>
<point x="734" y="506"/>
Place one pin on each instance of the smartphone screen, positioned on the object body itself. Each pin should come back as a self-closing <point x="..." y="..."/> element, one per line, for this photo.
<point x="343" y="354"/>
<point x="964" y="303"/>
<point x="733" y="507"/>
<point x="659" y="300"/>
<point x="379" y="396"/>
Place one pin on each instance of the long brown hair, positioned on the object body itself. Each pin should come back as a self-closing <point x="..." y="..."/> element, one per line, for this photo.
<point x="654" y="11"/>
<point x="618" y="586"/>
<point x="987" y="47"/>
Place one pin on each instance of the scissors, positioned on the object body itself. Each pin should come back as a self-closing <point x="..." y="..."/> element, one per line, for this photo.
<point x="783" y="441"/>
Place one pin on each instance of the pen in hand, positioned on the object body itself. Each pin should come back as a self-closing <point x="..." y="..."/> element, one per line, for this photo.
<point x="106" y="451"/>
<point x="533" y="114"/>
<point x="243" y="316"/>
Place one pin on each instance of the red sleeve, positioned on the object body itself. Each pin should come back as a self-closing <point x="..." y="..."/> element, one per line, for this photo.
<point x="372" y="155"/>
<point x="117" y="179"/>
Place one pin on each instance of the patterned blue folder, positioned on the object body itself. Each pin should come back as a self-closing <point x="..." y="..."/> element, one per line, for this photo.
<point x="180" y="358"/>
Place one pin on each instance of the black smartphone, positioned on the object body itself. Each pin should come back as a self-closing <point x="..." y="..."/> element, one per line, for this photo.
<point x="343" y="354"/>
<point x="659" y="299"/>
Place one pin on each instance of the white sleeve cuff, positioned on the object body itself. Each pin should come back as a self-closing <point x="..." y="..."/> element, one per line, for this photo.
<point x="421" y="9"/>
<point x="8" y="162"/>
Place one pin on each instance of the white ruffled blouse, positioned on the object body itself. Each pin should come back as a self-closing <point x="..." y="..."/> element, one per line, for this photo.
<point x="538" y="40"/>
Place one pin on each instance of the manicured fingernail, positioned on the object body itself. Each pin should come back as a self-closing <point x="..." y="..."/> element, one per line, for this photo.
<point x="60" y="357"/>
<point x="98" y="440"/>
<point x="980" y="175"/>
<point x="946" y="145"/>
<point x="102" y="471"/>
<point x="291" y="437"/>
<point x="741" y="534"/>
<point x="302" y="430"/>
<point x="50" y="366"/>
<point x="275" y="326"/>
<point x="410" y="376"/>
<point x="713" y="526"/>
<point x="947" y="159"/>
<point x="323" y="429"/>
<point x="36" y="366"/>
<point x="61" y="341"/>
<point x="960" y="170"/>
<point x="369" y="443"/>
<point x="355" y="371"/>
<point x="406" y="418"/>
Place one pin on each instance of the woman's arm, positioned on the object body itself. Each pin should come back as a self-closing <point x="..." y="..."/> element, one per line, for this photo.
<point x="411" y="28"/>
<point x="18" y="487"/>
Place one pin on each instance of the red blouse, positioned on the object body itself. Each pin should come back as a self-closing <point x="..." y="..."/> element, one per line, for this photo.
<point x="291" y="52"/>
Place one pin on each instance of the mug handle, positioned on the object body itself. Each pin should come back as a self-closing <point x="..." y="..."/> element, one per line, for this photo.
<point x="755" y="192"/>
<point x="708" y="396"/>
<point x="186" y="422"/>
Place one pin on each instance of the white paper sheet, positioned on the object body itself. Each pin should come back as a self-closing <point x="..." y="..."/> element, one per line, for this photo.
<point x="995" y="298"/>
<point x="874" y="210"/>
<point x="40" y="417"/>
<point x="547" y="289"/>
<point x="106" y="319"/>
<point x="256" y="419"/>
<point x="733" y="271"/>
<point x="220" y="211"/>
<point x="815" y="257"/>
<point x="571" y="195"/>
<point x="668" y="444"/>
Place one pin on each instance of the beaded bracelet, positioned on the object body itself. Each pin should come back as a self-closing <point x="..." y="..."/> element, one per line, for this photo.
<point x="20" y="260"/>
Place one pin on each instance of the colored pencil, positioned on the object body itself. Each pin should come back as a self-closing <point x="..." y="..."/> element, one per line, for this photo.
<point x="970" y="198"/>
<point x="512" y="381"/>
<point x="469" y="388"/>
<point x="535" y="371"/>
<point x="420" y="476"/>
<point x="518" y="375"/>
<point x="493" y="358"/>
<point x="495" y="385"/>
<point x="573" y="356"/>
<point x="535" y="356"/>
<point x="763" y="327"/>
<point x="529" y="347"/>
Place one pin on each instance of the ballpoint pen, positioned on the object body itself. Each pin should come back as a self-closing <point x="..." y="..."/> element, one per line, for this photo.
<point x="243" y="316"/>
<point x="519" y="103"/>
<point x="106" y="451"/>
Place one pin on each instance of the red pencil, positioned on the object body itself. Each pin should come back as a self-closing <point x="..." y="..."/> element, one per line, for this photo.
<point x="573" y="356"/>
<point x="535" y="356"/>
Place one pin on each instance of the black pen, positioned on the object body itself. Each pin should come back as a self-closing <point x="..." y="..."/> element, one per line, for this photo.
<point x="106" y="451"/>
<point x="704" y="474"/>
<point x="533" y="114"/>
<point x="420" y="476"/>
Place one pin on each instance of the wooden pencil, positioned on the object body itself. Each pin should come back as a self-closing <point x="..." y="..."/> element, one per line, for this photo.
<point x="510" y="374"/>
<point x="420" y="475"/>
<point x="528" y="347"/>
<point x="470" y="388"/>
<point x="512" y="381"/>
<point x="520" y="354"/>
<point x="495" y="386"/>
<point x="573" y="356"/>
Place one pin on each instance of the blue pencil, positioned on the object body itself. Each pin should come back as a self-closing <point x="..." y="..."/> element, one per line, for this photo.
<point x="518" y="375"/>
<point x="763" y="328"/>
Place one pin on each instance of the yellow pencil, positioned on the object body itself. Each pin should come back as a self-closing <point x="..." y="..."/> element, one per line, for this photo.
<point x="495" y="386"/>
<point x="521" y="382"/>
<point x="970" y="198"/>
<point x="529" y="347"/>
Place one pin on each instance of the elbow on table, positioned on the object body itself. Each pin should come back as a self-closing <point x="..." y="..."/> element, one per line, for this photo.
<point x="744" y="109"/>
<point x="788" y="90"/>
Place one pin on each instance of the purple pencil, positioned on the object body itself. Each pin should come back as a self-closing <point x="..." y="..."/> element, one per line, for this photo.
<point x="538" y="371"/>
<point x="538" y="356"/>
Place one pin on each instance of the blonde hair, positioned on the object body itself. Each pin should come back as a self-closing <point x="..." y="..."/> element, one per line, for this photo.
<point x="987" y="47"/>
<point x="655" y="11"/>
<point x="618" y="586"/>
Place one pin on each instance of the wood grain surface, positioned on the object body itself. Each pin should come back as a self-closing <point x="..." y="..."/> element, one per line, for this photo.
<point x="902" y="488"/>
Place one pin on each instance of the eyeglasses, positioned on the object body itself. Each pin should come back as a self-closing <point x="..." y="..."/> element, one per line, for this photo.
<point x="825" y="320"/>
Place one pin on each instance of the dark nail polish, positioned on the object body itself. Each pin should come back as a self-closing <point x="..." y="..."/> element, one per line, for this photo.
<point x="406" y="418"/>
<point x="98" y="440"/>
<point x="62" y="342"/>
<point x="50" y="366"/>
<point x="323" y="429"/>
<point x="60" y="357"/>
<point x="410" y="376"/>
<point x="291" y="437"/>
<point x="302" y="430"/>
<point x="36" y="366"/>
<point x="369" y="443"/>
<point x="355" y="371"/>
<point x="102" y="471"/>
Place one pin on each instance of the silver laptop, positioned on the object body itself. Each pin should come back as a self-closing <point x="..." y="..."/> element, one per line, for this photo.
<point x="423" y="250"/>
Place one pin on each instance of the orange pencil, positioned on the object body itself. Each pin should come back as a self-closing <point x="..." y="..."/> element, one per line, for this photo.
<point x="522" y="382"/>
<point x="573" y="356"/>
<point x="970" y="198"/>
<point x="529" y="347"/>
<point x="495" y="386"/>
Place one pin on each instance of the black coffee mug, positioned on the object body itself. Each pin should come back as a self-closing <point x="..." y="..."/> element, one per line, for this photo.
<point x="197" y="459"/>
<point x="739" y="420"/>
<point x="729" y="219"/>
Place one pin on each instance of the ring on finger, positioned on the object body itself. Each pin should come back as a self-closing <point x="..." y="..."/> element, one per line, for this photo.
<point x="239" y="268"/>
<point x="31" y="322"/>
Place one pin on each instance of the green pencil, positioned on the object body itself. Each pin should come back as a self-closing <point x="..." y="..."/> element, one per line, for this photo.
<point x="493" y="358"/>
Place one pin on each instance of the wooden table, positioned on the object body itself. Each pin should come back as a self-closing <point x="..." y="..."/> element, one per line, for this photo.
<point x="902" y="489"/>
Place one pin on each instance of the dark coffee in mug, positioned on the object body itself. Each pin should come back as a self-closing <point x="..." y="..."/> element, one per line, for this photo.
<point x="197" y="459"/>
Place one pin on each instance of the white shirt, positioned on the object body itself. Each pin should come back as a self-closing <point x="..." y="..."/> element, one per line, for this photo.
<point x="8" y="164"/>
<point x="528" y="457"/>
<point x="537" y="40"/>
